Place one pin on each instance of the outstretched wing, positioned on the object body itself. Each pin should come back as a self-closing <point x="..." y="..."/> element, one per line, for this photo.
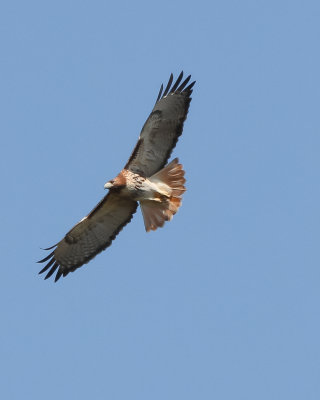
<point x="162" y="129"/>
<point x="90" y="236"/>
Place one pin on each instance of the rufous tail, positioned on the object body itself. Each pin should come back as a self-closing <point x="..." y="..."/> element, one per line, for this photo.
<point x="170" y="182"/>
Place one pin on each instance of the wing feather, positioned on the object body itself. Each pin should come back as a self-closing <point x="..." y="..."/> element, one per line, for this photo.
<point x="162" y="129"/>
<point x="53" y="268"/>
<point x="45" y="259"/>
<point x="174" y="87"/>
<point x="90" y="236"/>
<point x="160" y="92"/>
<point x="166" y="90"/>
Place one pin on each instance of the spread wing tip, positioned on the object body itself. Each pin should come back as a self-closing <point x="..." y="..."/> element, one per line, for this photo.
<point x="63" y="269"/>
<point x="52" y="264"/>
<point x="183" y="88"/>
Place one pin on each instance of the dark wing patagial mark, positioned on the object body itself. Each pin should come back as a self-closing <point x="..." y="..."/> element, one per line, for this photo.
<point x="135" y="152"/>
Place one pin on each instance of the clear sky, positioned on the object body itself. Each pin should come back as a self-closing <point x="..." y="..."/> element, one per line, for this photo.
<point x="223" y="302"/>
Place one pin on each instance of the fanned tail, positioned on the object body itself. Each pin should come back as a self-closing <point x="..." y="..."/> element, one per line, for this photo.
<point x="170" y="181"/>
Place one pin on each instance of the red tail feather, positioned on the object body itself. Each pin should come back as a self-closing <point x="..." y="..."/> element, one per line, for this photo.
<point x="171" y="181"/>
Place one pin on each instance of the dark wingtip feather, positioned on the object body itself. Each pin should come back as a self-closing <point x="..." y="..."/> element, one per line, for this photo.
<point x="46" y="258"/>
<point x="183" y="88"/>
<point x="53" y="263"/>
<point x="160" y="92"/>
<point x="50" y="248"/>
<point x="183" y="84"/>
<point x="58" y="276"/>
<point x="174" y="87"/>
<point x="189" y="88"/>
<point x="47" y="266"/>
<point x="168" y="85"/>
<point x="54" y="267"/>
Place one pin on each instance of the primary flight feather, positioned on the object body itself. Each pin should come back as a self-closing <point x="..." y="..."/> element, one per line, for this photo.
<point x="144" y="179"/>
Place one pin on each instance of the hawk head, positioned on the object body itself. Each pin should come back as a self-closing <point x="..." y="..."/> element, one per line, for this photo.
<point x="118" y="182"/>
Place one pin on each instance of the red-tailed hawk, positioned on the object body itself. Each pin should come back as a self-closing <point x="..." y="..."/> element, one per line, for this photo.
<point x="144" y="179"/>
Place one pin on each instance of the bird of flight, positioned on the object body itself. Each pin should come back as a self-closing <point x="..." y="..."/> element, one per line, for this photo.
<point x="144" y="179"/>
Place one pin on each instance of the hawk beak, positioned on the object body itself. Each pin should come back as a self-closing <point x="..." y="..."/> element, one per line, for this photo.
<point x="108" y="185"/>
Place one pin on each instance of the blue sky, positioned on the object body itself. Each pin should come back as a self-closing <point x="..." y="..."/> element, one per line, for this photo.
<point x="223" y="302"/>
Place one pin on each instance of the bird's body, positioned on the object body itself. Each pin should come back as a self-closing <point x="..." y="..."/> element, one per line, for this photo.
<point x="131" y="185"/>
<point x="159" y="196"/>
<point x="139" y="188"/>
<point x="144" y="179"/>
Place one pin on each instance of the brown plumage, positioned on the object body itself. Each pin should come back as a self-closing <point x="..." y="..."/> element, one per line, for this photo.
<point x="144" y="179"/>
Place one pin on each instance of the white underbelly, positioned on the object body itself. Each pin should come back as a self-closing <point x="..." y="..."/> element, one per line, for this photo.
<point x="148" y="190"/>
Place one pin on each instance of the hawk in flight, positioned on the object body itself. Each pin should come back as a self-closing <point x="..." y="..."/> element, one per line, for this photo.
<point x="145" y="179"/>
